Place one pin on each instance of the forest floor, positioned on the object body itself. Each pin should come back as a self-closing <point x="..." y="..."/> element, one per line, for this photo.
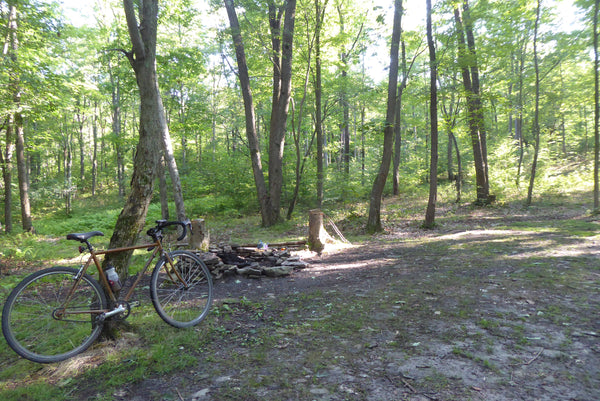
<point x="496" y="304"/>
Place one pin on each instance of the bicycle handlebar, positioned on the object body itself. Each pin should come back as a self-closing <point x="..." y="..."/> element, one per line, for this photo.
<point x="160" y="224"/>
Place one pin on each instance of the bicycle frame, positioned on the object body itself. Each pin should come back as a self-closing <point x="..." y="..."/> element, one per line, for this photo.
<point x="157" y="249"/>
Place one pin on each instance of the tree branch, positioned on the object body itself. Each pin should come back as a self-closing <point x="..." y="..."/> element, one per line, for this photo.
<point x="132" y="25"/>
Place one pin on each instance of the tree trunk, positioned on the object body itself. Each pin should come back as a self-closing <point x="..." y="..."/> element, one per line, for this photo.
<point x="596" y="111"/>
<point x="171" y="164"/>
<point x="9" y="50"/>
<point x="398" y="126"/>
<point x="251" y="133"/>
<point x="68" y="169"/>
<point x="7" y="165"/>
<point x="374" y="220"/>
<point x="95" y="149"/>
<point x="116" y="128"/>
<point x="475" y="116"/>
<point x="430" y="213"/>
<point x="81" y="117"/>
<point x="26" y="221"/>
<point x="282" y="43"/>
<point x="151" y="130"/>
<point x="162" y="190"/>
<point x="319" y="12"/>
<point x="300" y="161"/>
<point x="536" y="118"/>
<point x="345" y="126"/>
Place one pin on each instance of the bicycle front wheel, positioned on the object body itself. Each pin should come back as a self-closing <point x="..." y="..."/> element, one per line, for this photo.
<point x="181" y="303"/>
<point x="40" y="325"/>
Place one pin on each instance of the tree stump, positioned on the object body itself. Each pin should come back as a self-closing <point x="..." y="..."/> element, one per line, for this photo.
<point x="317" y="235"/>
<point x="200" y="237"/>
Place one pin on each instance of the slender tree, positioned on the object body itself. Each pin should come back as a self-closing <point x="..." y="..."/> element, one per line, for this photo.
<point x="251" y="132"/>
<point x="8" y="151"/>
<point x="320" y="15"/>
<point x="536" y="115"/>
<point x="281" y="25"/>
<point x="433" y="103"/>
<point x="374" y="220"/>
<point x="467" y="61"/>
<point x="596" y="110"/>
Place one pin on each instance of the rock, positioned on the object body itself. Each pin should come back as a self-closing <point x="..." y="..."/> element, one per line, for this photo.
<point x="249" y="271"/>
<point x="278" y="271"/>
<point x="209" y="258"/>
<point x="199" y="395"/>
<point x="298" y="264"/>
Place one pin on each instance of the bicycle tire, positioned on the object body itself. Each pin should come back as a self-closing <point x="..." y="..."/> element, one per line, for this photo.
<point x="179" y="306"/>
<point x="30" y="326"/>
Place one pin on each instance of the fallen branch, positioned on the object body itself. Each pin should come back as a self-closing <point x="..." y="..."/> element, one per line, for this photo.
<point x="534" y="358"/>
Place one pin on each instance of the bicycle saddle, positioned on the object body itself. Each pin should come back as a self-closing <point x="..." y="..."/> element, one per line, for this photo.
<point x="82" y="237"/>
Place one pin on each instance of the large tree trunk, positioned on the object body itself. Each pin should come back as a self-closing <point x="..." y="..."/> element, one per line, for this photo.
<point x="153" y="124"/>
<point x="251" y="133"/>
<point x="374" y="220"/>
<point x="430" y="213"/>
<point x="475" y="117"/>
<point x="282" y="43"/>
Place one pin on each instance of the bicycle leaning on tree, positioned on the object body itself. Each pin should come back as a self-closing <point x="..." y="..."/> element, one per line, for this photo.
<point x="56" y="313"/>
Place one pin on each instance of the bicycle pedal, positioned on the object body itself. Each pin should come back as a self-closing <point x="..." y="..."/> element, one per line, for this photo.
<point x="134" y="304"/>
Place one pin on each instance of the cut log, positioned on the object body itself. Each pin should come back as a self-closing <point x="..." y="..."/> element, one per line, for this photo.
<point x="317" y="235"/>
<point x="200" y="237"/>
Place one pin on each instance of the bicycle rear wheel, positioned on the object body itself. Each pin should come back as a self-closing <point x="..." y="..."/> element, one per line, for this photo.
<point x="177" y="304"/>
<point x="36" y="323"/>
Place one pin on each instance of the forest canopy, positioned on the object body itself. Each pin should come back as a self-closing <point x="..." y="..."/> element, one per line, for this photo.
<point x="70" y="108"/>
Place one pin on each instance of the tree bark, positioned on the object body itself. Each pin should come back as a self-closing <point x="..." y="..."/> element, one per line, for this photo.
<point x="95" y="149"/>
<point x="151" y="130"/>
<point x="319" y="12"/>
<point x="23" y="177"/>
<point x="470" y="73"/>
<point x="398" y="126"/>
<point x="282" y="47"/>
<point x="374" y="220"/>
<point x="536" y="118"/>
<point x="7" y="158"/>
<point x="7" y="166"/>
<point x="251" y="133"/>
<point x="430" y="213"/>
<point x="282" y="42"/>
<point x="116" y="127"/>
<point x="596" y="110"/>
<point x="171" y="164"/>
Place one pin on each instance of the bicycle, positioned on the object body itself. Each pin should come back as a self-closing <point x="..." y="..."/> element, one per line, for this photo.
<point x="58" y="312"/>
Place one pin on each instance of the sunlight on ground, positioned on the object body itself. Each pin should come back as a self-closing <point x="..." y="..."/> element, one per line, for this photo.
<point x="548" y="248"/>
